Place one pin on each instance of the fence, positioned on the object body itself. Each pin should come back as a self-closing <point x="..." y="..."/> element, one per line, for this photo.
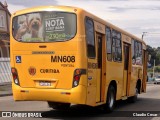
<point x="5" y="70"/>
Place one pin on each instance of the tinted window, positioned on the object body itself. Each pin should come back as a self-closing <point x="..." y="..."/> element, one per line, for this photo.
<point x="90" y="38"/>
<point x="109" y="44"/>
<point x="136" y="52"/>
<point x="116" y="46"/>
<point x="133" y="53"/>
<point x="44" y="27"/>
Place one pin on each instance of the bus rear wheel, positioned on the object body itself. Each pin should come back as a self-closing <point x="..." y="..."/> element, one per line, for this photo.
<point x="111" y="99"/>
<point x="59" y="106"/>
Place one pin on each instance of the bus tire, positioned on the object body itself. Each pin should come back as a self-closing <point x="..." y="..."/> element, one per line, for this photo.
<point x="111" y="99"/>
<point x="59" y="106"/>
<point x="134" y="98"/>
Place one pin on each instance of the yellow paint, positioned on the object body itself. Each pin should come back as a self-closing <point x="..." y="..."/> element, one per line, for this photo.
<point x="91" y="95"/>
<point x="125" y="82"/>
<point x="98" y="86"/>
<point x="144" y="46"/>
<point x="88" y="91"/>
<point x="126" y="39"/>
<point x="99" y="27"/>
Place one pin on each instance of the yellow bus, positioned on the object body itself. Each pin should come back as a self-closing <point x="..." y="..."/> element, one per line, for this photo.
<point x="66" y="55"/>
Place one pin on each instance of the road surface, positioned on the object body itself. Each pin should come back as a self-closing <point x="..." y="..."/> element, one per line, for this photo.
<point x="147" y="103"/>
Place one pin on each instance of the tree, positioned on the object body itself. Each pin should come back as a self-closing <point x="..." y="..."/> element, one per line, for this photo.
<point x="157" y="69"/>
<point x="152" y="51"/>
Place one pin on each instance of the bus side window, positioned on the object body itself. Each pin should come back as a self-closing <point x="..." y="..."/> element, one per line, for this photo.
<point x="133" y="53"/>
<point x="108" y="44"/>
<point x="136" y="52"/>
<point x="140" y="52"/>
<point x="116" y="46"/>
<point x="89" y="26"/>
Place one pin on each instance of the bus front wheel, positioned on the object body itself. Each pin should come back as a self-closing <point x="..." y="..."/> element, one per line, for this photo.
<point x="111" y="99"/>
<point x="59" y="106"/>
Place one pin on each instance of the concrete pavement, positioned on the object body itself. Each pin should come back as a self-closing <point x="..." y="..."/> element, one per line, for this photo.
<point x="146" y="103"/>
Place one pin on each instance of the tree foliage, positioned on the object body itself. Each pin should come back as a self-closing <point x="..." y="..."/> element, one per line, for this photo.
<point x="155" y="55"/>
<point x="157" y="69"/>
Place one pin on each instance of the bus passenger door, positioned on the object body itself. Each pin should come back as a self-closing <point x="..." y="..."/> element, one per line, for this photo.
<point x="127" y="69"/>
<point x="100" y="86"/>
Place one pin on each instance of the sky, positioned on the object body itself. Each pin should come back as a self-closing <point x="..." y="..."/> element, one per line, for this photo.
<point x="133" y="16"/>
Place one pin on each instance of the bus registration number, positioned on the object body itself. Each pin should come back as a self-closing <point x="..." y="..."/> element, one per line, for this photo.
<point x="45" y="83"/>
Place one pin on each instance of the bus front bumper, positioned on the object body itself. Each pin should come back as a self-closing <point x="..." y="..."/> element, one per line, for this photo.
<point x="75" y="95"/>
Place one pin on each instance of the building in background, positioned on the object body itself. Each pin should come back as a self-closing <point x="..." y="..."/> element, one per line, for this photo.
<point x="4" y="30"/>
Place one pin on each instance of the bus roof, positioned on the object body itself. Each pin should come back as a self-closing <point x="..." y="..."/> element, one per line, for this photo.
<point x="74" y="9"/>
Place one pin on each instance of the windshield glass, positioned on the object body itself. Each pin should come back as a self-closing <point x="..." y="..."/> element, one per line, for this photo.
<point x="44" y="27"/>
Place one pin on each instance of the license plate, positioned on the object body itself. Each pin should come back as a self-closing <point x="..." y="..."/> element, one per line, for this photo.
<point x="45" y="83"/>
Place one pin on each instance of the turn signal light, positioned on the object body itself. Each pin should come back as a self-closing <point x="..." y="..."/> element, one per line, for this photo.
<point x="78" y="71"/>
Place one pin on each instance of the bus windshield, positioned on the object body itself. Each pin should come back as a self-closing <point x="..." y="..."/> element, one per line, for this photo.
<point x="44" y="27"/>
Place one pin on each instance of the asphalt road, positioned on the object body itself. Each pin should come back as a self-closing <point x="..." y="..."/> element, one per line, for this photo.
<point x="147" y="104"/>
